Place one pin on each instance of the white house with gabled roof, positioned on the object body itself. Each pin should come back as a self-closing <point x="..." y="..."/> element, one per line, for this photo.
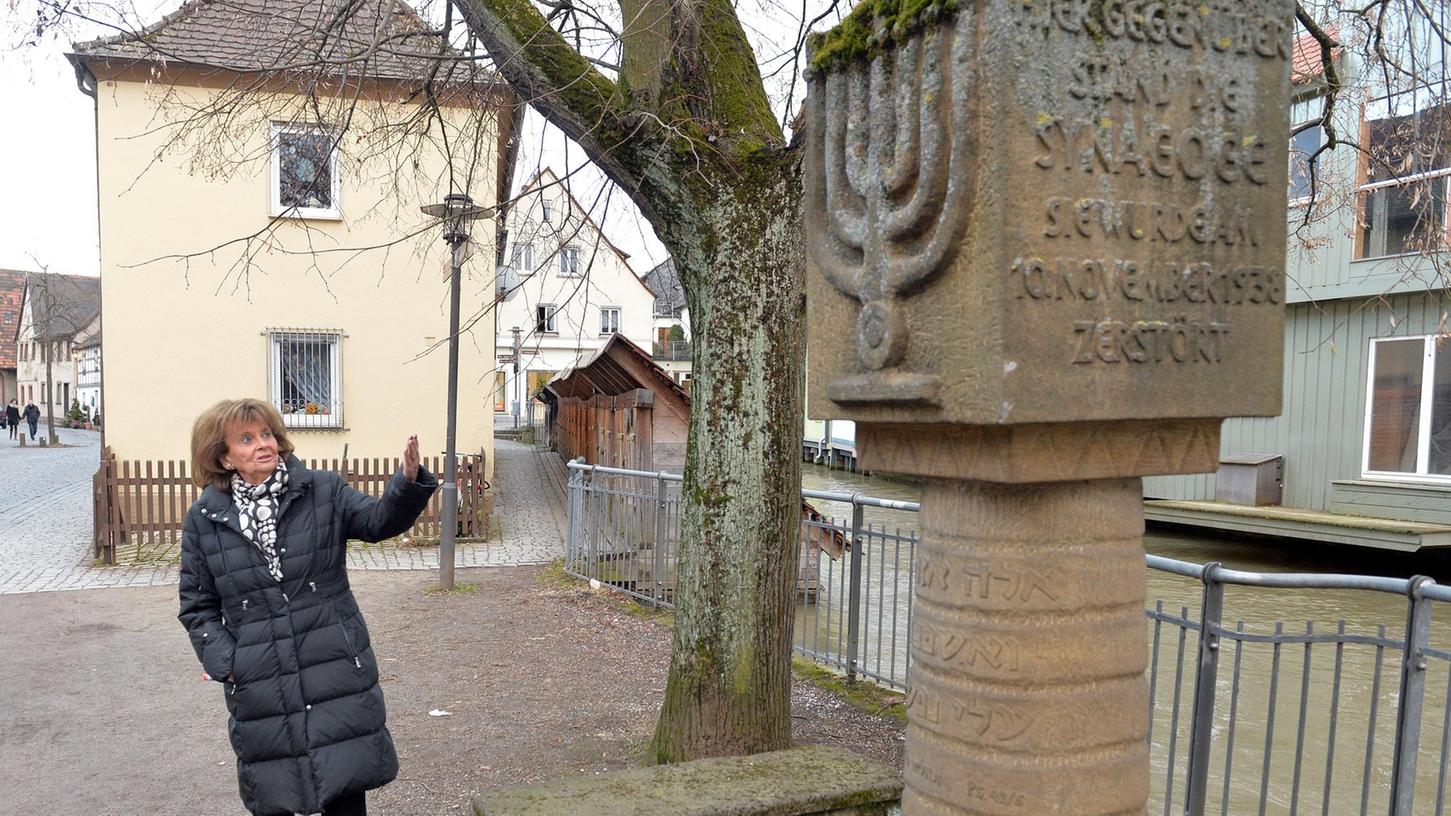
<point x="565" y="288"/>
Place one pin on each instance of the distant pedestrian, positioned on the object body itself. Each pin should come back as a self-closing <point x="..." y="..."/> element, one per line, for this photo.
<point x="12" y="418"/>
<point x="266" y="602"/>
<point x="32" y="418"/>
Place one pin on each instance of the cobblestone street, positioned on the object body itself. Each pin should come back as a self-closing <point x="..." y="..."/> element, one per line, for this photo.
<point x="528" y="524"/>
<point x="45" y="520"/>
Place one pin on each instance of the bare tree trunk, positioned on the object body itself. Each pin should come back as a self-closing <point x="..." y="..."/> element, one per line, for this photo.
<point x="688" y="132"/>
<point x="730" y="670"/>
<point x="49" y="381"/>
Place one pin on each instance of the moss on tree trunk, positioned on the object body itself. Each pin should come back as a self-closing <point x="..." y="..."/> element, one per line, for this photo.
<point x="730" y="670"/>
<point x="688" y="133"/>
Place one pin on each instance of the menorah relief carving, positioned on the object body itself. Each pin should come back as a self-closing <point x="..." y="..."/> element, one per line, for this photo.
<point x="890" y="183"/>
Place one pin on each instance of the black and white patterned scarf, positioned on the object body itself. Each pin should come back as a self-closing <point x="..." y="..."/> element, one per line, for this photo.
<point x="257" y="513"/>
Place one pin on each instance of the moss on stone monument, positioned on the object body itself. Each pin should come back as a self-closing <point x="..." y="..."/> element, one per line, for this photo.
<point x="873" y="27"/>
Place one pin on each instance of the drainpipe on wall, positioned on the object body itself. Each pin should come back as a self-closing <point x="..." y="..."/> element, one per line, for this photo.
<point x="86" y="82"/>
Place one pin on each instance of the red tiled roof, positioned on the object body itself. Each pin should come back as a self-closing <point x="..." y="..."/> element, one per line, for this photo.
<point x="12" y="289"/>
<point x="380" y="39"/>
<point x="1305" y="63"/>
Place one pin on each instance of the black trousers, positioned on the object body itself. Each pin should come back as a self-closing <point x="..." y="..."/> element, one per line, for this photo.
<point x="355" y="804"/>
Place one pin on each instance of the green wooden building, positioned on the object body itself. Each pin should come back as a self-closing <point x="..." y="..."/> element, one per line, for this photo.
<point x="1364" y="442"/>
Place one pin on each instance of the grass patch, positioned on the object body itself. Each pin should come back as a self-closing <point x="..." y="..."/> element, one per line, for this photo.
<point x="458" y="589"/>
<point x="663" y="615"/>
<point x="553" y="576"/>
<point x="863" y="694"/>
<point x="164" y="550"/>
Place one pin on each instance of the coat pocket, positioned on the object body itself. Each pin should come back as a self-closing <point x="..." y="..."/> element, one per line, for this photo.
<point x="229" y="695"/>
<point x="353" y="653"/>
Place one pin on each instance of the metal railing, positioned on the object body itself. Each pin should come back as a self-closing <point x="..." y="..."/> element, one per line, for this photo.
<point x="1217" y="734"/>
<point x="856" y="603"/>
<point x="1345" y="700"/>
<point x="670" y="349"/>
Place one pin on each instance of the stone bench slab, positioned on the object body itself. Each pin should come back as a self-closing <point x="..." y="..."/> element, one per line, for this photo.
<point x="804" y="781"/>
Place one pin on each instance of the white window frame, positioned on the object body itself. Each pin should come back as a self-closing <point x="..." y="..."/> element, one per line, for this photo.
<point x="274" y="180"/>
<point x="546" y="208"/>
<point x="569" y="261"/>
<point x="605" y="325"/>
<point x="551" y="318"/>
<point x="523" y="262"/>
<point x="333" y="419"/>
<point x="1423" y="436"/>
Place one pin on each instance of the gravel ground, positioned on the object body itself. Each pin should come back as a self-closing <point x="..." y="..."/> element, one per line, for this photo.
<point x="102" y="710"/>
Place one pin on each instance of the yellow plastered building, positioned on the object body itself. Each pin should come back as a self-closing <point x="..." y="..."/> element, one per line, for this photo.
<point x="260" y="227"/>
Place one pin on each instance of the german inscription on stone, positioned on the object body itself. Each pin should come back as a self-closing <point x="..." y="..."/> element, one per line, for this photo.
<point x="1120" y="221"/>
<point x="1149" y="227"/>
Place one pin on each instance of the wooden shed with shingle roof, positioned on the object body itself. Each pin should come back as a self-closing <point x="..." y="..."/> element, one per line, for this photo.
<point x="621" y="409"/>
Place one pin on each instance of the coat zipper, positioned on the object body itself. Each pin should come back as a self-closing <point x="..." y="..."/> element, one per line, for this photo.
<point x="352" y="650"/>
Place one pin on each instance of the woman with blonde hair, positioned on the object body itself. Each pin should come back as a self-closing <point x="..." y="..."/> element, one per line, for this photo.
<point x="266" y="602"/>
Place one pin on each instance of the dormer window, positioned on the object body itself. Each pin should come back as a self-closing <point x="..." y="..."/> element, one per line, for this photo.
<point x="304" y="172"/>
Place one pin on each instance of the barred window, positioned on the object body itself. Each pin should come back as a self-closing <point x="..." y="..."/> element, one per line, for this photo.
<point x="304" y="172"/>
<point x="305" y="371"/>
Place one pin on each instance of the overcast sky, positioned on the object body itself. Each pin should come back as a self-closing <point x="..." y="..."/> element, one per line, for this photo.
<point x="48" y="214"/>
<point x="49" y="153"/>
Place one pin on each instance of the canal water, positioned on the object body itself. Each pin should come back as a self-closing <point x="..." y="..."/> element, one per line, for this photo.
<point x="1312" y="728"/>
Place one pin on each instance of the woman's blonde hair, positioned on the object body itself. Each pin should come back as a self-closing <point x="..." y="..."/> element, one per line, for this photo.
<point x="209" y="438"/>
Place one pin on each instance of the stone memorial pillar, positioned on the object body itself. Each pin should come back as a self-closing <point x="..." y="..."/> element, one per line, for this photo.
<point x="1047" y="244"/>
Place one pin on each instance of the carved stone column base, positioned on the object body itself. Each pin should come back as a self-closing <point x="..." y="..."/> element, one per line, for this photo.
<point x="1028" y="653"/>
<point x="1027" y="691"/>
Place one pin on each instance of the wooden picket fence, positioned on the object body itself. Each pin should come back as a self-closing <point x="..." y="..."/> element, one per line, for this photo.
<point x="142" y="504"/>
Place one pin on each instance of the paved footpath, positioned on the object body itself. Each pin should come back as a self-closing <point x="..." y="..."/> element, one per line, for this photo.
<point x="528" y="524"/>
<point x="45" y="521"/>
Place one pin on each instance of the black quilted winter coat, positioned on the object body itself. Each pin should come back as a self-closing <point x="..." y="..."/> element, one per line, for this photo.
<point x="306" y="712"/>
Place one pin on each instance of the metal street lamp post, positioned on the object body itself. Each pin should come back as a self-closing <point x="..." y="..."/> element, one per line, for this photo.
<point x="518" y="386"/>
<point x="456" y="211"/>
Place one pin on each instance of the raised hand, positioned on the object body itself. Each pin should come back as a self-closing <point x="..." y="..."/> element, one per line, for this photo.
<point x="410" y="459"/>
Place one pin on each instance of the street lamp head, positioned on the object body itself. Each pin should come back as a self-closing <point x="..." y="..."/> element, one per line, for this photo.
<point x="456" y="211"/>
